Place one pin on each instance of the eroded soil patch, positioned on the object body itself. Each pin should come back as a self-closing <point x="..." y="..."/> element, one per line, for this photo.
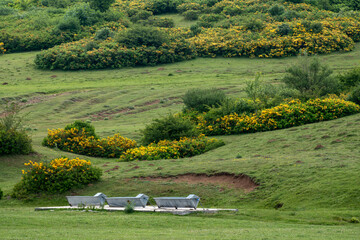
<point x="227" y="180"/>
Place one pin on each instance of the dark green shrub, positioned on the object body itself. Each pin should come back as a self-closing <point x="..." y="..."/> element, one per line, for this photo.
<point x="83" y="127"/>
<point x="141" y="15"/>
<point x="14" y="142"/>
<point x="191" y="15"/>
<point x="350" y="78"/>
<point x="159" y="22"/>
<point x="210" y="3"/>
<point x="86" y="15"/>
<point x="1" y="194"/>
<point x="129" y="208"/>
<point x="142" y="35"/>
<point x="114" y="16"/>
<point x="101" y="5"/>
<point x="295" y="1"/>
<point x="276" y="10"/>
<point x="231" y="106"/>
<point x="355" y="95"/>
<point x="315" y="27"/>
<point x="168" y="128"/>
<point x="202" y="99"/>
<point x="55" y="3"/>
<point x="290" y="15"/>
<point x="103" y="34"/>
<point x="4" y="10"/>
<point x="162" y="6"/>
<point x="71" y="24"/>
<point x="254" y="24"/>
<point x="91" y="46"/>
<point x="232" y="11"/>
<point x="195" y="29"/>
<point x="284" y="29"/>
<point x="311" y="78"/>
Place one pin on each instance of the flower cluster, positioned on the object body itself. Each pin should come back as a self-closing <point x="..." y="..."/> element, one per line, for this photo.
<point x="58" y="175"/>
<point x="77" y="141"/>
<point x="165" y="149"/>
<point x="2" y="49"/>
<point x="292" y="113"/>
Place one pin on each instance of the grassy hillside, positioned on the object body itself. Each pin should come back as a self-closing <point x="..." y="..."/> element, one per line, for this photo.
<point x="310" y="188"/>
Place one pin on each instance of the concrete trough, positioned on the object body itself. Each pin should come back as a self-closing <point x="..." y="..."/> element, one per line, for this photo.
<point x="190" y="201"/>
<point x="96" y="200"/>
<point x="139" y="201"/>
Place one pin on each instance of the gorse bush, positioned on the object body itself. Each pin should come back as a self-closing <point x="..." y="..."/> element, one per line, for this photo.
<point x="1" y="194"/>
<point x="142" y="35"/>
<point x="165" y="149"/>
<point x="71" y="24"/>
<point x="79" y="141"/>
<point x="86" y="15"/>
<point x="191" y="15"/>
<point x="83" y="128"/>
<point x="170" y="128"/>
<point x="58" y="175"/>
<point x="311" y="78"/>
<point x="276" y="10"/>
<point x="202" y="99"/>
<point x="292" y="113"/>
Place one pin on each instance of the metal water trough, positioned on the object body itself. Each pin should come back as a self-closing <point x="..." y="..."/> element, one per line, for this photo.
<point x="139" y="201"/>
<point x="190" y="201"/>
<point x="96" y="200"/>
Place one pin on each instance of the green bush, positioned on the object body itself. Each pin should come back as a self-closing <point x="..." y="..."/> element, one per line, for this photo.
<point x="254" y="24"/>
<point x="350" y="78"/>
<point x="55" y="3"/>
<point x="71" y="24"/>
<point x="13" y="139"/>
<point x="101" y="5"/>
<point x="103" y="34"/>
<point x="140" y="15"/>
<point x="191" y="15"/>
<point x="86" y="15"/>
<point x="4" y="10"/>
<point x="276" y="10"/>
<point x="355" y="95"/>
<point x="14" y="142"/>
<point x="162" y="6"/>
<point x="142" y="35"/>
<point x="311" y="78"/>
<point x="1" y="194"/>
<point x="195" y="29"/>
<point x="159" y="22"/>
<point x="283" y="29"/>
<point x="56" y="176"/>
<point x="170" y="128"/>
<point x="202" y="99"/>
<point x="231" y="106"/>
<point x="83" y="127"/>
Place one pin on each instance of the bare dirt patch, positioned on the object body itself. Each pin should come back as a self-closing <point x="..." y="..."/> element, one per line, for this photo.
<point x="227" y="180"/>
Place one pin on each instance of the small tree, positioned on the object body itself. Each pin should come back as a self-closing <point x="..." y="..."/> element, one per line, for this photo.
<point x="101" y="5"/>
<point x="311" y="78"/>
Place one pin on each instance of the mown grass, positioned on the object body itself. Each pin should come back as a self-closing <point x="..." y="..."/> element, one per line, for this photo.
<point x="313" y="186"/>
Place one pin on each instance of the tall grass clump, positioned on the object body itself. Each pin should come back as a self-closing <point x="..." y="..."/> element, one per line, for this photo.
<point x="202" y="99"/>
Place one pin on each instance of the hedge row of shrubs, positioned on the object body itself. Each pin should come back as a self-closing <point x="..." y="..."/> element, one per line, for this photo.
<point x="56" y="176"/>
<point x="292" y="113"/>
<point x="166" y="149"/>
<point x="79" y="141"/>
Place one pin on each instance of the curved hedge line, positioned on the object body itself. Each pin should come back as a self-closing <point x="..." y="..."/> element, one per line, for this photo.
<point x="79" y="142"/>
<point x="165" y="149"/>
<point x="73" y="56"/>
<point x="293" y="113"/>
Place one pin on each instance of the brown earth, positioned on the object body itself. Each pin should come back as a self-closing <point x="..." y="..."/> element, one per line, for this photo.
<point x="227" y="180"/>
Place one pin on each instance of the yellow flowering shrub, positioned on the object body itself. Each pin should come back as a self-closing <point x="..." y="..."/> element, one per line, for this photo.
<point x="58" y="175"/>
<point x="2" y="49"/>
<point x="76" y="141"/>
<point x="165" y="149"/>
<point x="292" y="113"/>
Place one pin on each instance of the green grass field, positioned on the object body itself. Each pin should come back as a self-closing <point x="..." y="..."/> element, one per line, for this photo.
<point x="318" y="189"/>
